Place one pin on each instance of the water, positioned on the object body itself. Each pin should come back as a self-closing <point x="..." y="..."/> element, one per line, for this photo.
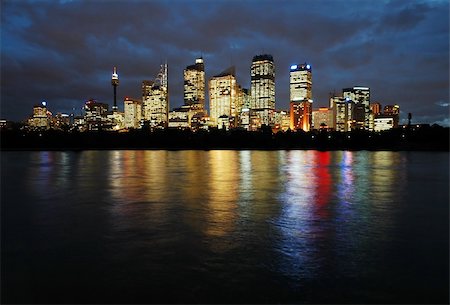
<point x="225" y="226"/>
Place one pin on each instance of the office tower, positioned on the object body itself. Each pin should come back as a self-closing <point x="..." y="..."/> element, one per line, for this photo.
<point x="300" y="114"/>
<point x="115" y="83"/>
<point x="223" y="96"/>
<point x="95" y="117"/>
<point x="39" y="119"/>
<point x="300" y="83"/>
<point x="342" y="113"/>
<point x="323" y="118"/>
<point x="300" y="88"/>
<point x="155" y="100"/>
<point x="360" y="96"/>
<point x="262" y="87"/>
<point x="133" y="112"/>
<point x="194" y="85"/>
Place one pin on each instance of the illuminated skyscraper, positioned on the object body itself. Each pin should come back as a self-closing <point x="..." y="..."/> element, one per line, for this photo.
<point x="300" y="97"/>
<point x="40" y="117"/>
<point x="115" y="83"/>
<point x="155" y="100"/>
<point x="133" y="112"/>
<point x="301" y="82"/>
<point x="262" y="87"/>
<point x="342" y="113"/>
<point x="194" y="85"/>
<point x="300" y="115"/>
<point x="361" y="97"/>
<point x="223" y="96"/>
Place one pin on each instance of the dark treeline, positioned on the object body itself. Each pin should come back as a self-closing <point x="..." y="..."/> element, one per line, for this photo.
<point x="425" y="138"/>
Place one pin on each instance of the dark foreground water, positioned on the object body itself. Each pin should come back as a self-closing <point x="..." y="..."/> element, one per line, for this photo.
<point x="224" y="226"/>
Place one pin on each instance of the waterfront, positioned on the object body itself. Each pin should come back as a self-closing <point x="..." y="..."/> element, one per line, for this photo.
<point x="225" y="226"/>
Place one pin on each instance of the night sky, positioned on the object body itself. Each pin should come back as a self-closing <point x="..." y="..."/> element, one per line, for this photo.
<point x="64" y="51"/>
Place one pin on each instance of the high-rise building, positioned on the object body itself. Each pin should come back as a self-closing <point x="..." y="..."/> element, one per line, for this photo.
<point x="360" y="96"/>
<point x="115" y="83"/>
<point x="342" y="113"/>
<point x="155" y="100"/>
<point x="323" y="118"/>
<point x="300" y="82"/>
<point x="300" y="115"/>
<point x="95" y="117"/>
<point x="223" y="96"/>
<point x="300" y="88"/>
<point x="133" y="112"/>
<point x="194" y="85"/>
<point x="263" y="87"/>
<point x="39" y="119"/>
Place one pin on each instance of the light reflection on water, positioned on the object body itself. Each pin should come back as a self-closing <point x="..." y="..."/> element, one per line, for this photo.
<point x="287" y="218"/>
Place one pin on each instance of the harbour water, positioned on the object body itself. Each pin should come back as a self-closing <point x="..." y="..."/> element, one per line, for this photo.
<point x="224" y="226"/>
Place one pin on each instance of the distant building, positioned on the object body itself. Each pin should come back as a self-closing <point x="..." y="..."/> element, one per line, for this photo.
<point x="223" y="96"/>
<point x="323" y="118"/>
<point x="382" y="123"/>
<point x="262" y="87"/>
<point x="40" y="118"/>
<point x="300" y="82"/>
<point x="194" y="85"/>
<point x="155" y="100"/>
<point x="95" y="117"/>
<point x="300" y="115"/>
<point x="361" y="98"/>
<point x="342" y="113"/>
<point x="281" y="121"/>
<point x="375" y="108"/>
<point x="133" y="113"/>
<point x="300" y="88"/>
<point x="394" y="112"/>
<point x="182" y="117"/>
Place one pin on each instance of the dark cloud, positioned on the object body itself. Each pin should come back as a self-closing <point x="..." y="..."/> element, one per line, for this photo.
<point x="64" y="51"/>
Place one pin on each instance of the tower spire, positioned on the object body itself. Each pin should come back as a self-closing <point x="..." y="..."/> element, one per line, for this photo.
<point x="115" y="83"/>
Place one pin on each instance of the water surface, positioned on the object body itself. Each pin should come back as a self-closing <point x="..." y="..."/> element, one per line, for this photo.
<point x="225" y="226"/>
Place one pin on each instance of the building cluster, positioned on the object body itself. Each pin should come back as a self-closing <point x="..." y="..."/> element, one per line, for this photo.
<point x="230" y="105"/>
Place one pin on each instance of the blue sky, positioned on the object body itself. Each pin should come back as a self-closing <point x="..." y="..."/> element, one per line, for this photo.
<point x="64" y="51"/>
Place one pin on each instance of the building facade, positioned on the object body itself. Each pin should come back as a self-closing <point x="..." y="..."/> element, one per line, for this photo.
<point x="262" y="87"/>
<point x="223" y="96"/>
<point x="300" y="90"/>
<point x="95" y="117"/>
<point x="194" y="85"/>
<point x="300" y="115"/>
<point x="155" y="100"/>
<point x="342" y="113"/>
<point x="361" y="98"/>
<point x="300" y="82"/>
<point x="133" y="112"/>
<point x="323" y="118"/>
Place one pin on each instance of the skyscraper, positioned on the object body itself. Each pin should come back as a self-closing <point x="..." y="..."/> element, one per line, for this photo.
<point x="223" y="96"/>
<point x="300" y="114"/>
<point x="194" y="85"/>
<point x="133" y="112"/>
<point x="361" y="97"/>
<point x="300" y="82"/>
<point x="115" y="83"/>
<point x="155" y="100"/>
<point x="262" y="87"/>
<point x="300" y="88"/>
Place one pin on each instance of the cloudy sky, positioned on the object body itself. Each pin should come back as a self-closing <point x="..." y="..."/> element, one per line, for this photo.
<point x="63" y="51"/>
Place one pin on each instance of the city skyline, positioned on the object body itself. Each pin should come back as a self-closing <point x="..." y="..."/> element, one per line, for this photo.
<point x="82" y="58"/>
